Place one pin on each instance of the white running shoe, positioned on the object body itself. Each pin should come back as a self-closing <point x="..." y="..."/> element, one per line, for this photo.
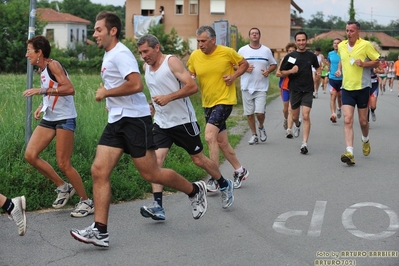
<point x="18" y="214"/>
<point x="253" y="140"/>
<point x="65" y="192"/>
<point x="212" y="185"/>
<point x="91" y="235"/>
<point x="83" y="208"/>
<point x="198" y="202"/>
<point x="263" y="135"/>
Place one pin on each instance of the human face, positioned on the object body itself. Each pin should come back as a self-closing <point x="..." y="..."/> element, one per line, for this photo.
<point x="352" y="32"/>
<point x="102" y="36"/>
<point x="150" y="55"/>
<point x="31" y="54"/>
<point x="291" y="49"/>
<point x="254" y="36"/>
<point x="206" y="45"/>
<point x="300" y="42"/>
<point x="335" y="44"/>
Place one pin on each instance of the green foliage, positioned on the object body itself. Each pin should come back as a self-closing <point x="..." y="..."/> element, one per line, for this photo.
<point x="326" y="45"/>
<point x="171" y="43"/>
<point x="352" y="12"/>
<point x="242" y="41"/>
<point x="372" y="39"/>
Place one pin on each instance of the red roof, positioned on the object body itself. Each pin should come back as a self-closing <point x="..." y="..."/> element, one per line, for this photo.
<point x="385" y="39"/>
<point x="50" y="15"/>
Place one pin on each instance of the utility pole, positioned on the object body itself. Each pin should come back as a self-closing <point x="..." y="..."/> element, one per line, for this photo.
<point x="29" y="72"/>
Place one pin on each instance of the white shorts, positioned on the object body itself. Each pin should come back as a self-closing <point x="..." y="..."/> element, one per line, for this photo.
<point x="254" y="103"/>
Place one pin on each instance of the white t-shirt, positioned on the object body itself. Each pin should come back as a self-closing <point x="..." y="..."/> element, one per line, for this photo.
<point x="261" y="58"/>
<point x="164" y="82"/>
<point x="117" y="64"/>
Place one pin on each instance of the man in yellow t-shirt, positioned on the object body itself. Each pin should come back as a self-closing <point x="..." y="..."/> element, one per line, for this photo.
<point x="357" y="58"/>
<point x="213" y="65"/>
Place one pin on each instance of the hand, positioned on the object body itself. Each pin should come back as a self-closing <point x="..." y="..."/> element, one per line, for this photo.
<point x="359" y="63"/>
<point x="161" y="100"/>
<point x="265" y="72"/>
<point x="338" y="73"/>
<point x="228" y="80"/>
<point x="294" y="69"/>
<point x="37" y="113"/>
<point x="31" y="92"/>
<point x="250" y="68"/>
<point x="101" y="93"/>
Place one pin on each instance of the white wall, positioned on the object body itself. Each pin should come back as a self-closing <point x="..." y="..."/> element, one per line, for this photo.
<point x="62" y="33"/>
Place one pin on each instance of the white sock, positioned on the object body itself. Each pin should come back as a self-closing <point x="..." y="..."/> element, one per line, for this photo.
<point x="350" y="149"/>
<point x="365" y="139"/>
<point x="239" y="170"/>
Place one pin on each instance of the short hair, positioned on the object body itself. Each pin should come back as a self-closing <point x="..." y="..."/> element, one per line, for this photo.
<point x="148" y="38"/>
<point x="111" y="20"/>
<point x="40" y="43"/>
<point x="352" y="22"/>
<point x="337" y="39"/>
<point x="299" y="33"/>
<point x="318" y="49"/>
<point x="208" y="29"/>
<point x="289" y="45"/>
<point x="254" y="28"/>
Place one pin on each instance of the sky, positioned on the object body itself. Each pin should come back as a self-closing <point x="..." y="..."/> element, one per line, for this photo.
<point x="383" y="11"/>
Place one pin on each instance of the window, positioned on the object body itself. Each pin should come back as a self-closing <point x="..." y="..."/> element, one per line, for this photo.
<point x="193" y="7"/>
<point x="71" y="37"/>
<point x="147" y="7"/>
<point x="218" y="6"/>
<point x="77" y="35"/>
<point x="50" y="34"/>
<point x="179" y="6"/>
<point x="83" y="36"/>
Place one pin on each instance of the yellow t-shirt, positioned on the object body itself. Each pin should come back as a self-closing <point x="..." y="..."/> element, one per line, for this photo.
<point x="210" y="70"/>
<point x="354" y="77"/>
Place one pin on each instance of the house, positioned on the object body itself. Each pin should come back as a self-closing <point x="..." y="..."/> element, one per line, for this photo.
<point x="272" y="17"/>
<point x="64" y="29"/>
<point x="388" y="43"/>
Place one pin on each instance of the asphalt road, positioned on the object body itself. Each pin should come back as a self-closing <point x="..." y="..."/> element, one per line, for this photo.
<point x="294" y="209"/>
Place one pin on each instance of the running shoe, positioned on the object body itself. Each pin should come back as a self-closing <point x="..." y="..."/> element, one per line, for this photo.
<point x="91" y="235"/>
<point x="83" y="208"/>
<point x="304" y="149"/>
<point x="156" y="212"/>
<point x="198" y="202"/>
<point x="253" y="140"/>
<point x="65" y="192"/>
<point x="333" y="118"/>
<point x="285" y="124"/>
<point x="348" y="158"/>
<point x="18" y="214"/>
<point x="239" y="177"/>
<point x="297" y="129"/>
<point x="288" y="134"/>
<point x="263" y="135"/>
<point x="212" y="185"/>
<point x="366" y="148"/>
<point x="339" y="113"/>
<point x="373" y="116"/>
<point x="227" y="194"/>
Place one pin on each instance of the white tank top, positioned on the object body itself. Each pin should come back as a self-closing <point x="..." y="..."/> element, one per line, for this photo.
<point x="56" y="108"/>
<point x="163" y="82"/>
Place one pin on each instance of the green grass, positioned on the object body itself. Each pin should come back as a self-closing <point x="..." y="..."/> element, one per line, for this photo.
<point x="18" y="177"/>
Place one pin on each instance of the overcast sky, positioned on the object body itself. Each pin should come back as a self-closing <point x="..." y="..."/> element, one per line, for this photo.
<point x="383" y="11"/>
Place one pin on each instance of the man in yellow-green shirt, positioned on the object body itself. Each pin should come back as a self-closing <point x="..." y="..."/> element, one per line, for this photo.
<point x="358" y="56"/>
<point x="213" y="65"/>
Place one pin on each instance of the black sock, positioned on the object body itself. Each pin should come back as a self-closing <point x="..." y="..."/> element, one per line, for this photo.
<point x="195" y="191"/>
<point x="372" y="110"/>
<point x="102" y="228"/>
<point x="222" y="182"/>
<point x="8" y="206"/>
<point x="158" y="197"/>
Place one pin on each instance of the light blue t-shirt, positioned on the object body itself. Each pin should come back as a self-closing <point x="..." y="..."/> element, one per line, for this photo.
<point x="333" y="58"/>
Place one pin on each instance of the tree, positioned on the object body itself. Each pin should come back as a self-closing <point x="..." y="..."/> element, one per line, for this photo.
<point x="14" y="21"/>
<point x="352" y="12"/>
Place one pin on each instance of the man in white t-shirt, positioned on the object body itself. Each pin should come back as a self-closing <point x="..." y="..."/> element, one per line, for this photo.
<point x="175" y="122"/>
<point x="255" y="83"/>
<point x="129" y="130"/>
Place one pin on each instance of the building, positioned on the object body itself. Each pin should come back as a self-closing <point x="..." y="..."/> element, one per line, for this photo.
<point x="388" y="43"/>
<point x="63" y="29"/>
<point x="272" y="17"/>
